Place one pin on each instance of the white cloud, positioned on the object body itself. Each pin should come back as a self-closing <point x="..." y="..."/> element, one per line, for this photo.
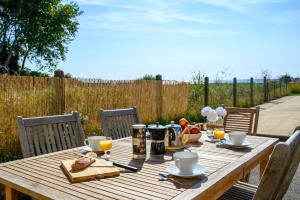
<point x="239" y="5"/>
<point x="119" y="22"/>
<point x="166" y="15"/>
<point x="156" y="11"/>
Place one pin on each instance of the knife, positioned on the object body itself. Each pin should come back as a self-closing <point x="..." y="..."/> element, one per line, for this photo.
<point x="129" y="167"/>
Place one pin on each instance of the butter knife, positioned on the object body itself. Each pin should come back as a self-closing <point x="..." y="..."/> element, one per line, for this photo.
<point x="129" y="167"/>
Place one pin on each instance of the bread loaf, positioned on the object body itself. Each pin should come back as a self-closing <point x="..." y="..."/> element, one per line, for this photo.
<point x="82" y="163"/>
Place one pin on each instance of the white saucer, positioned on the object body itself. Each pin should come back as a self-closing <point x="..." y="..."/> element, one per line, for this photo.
<point x="87" y="148"/>
<point x="198" y="170"/>
<point x="229" y="143"/>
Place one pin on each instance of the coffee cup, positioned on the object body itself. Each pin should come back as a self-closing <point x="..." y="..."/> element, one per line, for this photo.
<point x="237" y="137"/>
<point x="93" y="142"/>
<point x="185" y="161"/>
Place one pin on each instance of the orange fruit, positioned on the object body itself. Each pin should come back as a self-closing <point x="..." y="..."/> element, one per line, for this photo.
<point x="183" y="123"/>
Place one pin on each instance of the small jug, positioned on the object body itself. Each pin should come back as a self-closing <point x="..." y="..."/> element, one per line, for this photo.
<point x="174" y="138"/>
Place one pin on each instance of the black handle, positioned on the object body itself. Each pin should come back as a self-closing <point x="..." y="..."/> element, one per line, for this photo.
<point x="131" y="168"/>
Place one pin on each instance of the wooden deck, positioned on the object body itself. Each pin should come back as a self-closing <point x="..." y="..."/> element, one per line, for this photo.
<point x="41" y="177"/>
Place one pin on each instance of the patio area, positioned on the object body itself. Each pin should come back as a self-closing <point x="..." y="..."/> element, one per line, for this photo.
<point x="280" y="117"/>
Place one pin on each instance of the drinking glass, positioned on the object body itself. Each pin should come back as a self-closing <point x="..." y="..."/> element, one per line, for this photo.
<point x="219" y="134"/>
<point x="106" y="145"/>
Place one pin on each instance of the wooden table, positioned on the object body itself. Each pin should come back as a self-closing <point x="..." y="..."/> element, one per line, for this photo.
<point x="41" y="177"/>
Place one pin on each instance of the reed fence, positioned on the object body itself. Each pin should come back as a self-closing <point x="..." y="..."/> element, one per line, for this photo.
<point x="155" y="99"/>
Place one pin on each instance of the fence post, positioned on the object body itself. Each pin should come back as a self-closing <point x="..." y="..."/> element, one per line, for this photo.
<point x="60" y="91"/>
<point x="274" y="89"/>
<point x="251" y="92"/>
<point x="265" y="90"/>
<point x="206" y="91"/>
<point x="280" y="88"/>
<point x="234" y="92"/>
<point x="286" y="86"/>
<point x="159" y="96"/>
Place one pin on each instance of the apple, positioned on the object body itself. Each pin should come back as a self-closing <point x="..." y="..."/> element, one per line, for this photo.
<point x="198" y="125"/>
<point x="194" y="130"/>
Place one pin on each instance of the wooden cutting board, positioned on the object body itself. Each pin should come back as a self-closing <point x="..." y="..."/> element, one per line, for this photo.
<point x="99" y="169"/>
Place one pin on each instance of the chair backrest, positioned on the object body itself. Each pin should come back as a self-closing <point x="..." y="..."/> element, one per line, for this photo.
<point x="41" y="135"/>
<point x="297" y="129"/>
<point x="292" y="166"/>
<point x="117" y="123"/>
<point x="242" y="119"/>
<point x="277" y="177"/>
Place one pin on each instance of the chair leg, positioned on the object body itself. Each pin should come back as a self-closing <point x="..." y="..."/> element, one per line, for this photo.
<point x="11" y="194"/>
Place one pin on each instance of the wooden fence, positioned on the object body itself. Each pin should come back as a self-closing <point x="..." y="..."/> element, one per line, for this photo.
<point x="32" y="96"/>
<point x="37" y="96"/>
<point x="243" y="94"/>
<point x="154" y="99"/>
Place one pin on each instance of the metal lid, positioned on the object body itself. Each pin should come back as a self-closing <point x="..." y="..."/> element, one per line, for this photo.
<point x="173" y="125"/>
<point x="156" y="126"/>
<point x="138" y="126"/>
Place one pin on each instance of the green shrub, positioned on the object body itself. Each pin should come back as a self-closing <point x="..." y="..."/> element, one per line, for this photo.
<point x="294" y="88"/>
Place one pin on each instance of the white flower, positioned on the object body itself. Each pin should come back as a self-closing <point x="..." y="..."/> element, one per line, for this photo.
<point x="212" y="116"/>
<point x="221" y="111"/>
<point x="205" y="111"/>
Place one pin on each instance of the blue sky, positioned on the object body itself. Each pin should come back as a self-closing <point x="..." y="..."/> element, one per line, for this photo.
<point x="125" y="39"/>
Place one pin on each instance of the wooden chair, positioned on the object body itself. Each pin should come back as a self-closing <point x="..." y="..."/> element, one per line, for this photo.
<point x="117" y="123"/>
<point x="242" y="119"/>
<point x="297" y="129"/>
<point x="41" y="135"/>
<point x="277" y="177"/>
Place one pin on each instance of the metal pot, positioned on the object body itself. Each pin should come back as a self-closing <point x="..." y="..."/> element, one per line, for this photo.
<point x="173" y="137"/>
<point x="157" y="136"/>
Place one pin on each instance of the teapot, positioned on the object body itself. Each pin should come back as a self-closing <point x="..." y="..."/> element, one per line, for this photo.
<point x="174" y="140"/>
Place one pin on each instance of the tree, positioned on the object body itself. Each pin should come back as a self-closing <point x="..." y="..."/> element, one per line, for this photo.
<point x="28" y="72"/>
<point x="147" y="77"/>
<point x="266" y="73"/>
<point x="286" y="78"/>
<point x="38" y="31"/>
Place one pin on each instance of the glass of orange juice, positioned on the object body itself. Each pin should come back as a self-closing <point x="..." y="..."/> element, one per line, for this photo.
<point x="105" y="145"/>
<point x="219" y="134"/>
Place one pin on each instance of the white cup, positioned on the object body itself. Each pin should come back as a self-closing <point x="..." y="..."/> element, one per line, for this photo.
<point x="209" y="133"/>
<point x="185" y="161"/>
<point x="237" y="137"/>
<point x="93" y="142"/>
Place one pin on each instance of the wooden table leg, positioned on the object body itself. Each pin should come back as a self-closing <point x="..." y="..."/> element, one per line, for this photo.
<point x="262" y="167"/>
<point x="11" y="194"/>
<point x="246" y="178"/>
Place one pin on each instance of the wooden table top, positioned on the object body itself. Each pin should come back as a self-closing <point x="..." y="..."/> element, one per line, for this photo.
<point x="42" y="177"/>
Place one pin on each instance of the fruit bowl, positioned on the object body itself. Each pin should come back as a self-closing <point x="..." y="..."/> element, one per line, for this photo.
<point x="194" y="138"/>
<point x="190" y="132"/>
